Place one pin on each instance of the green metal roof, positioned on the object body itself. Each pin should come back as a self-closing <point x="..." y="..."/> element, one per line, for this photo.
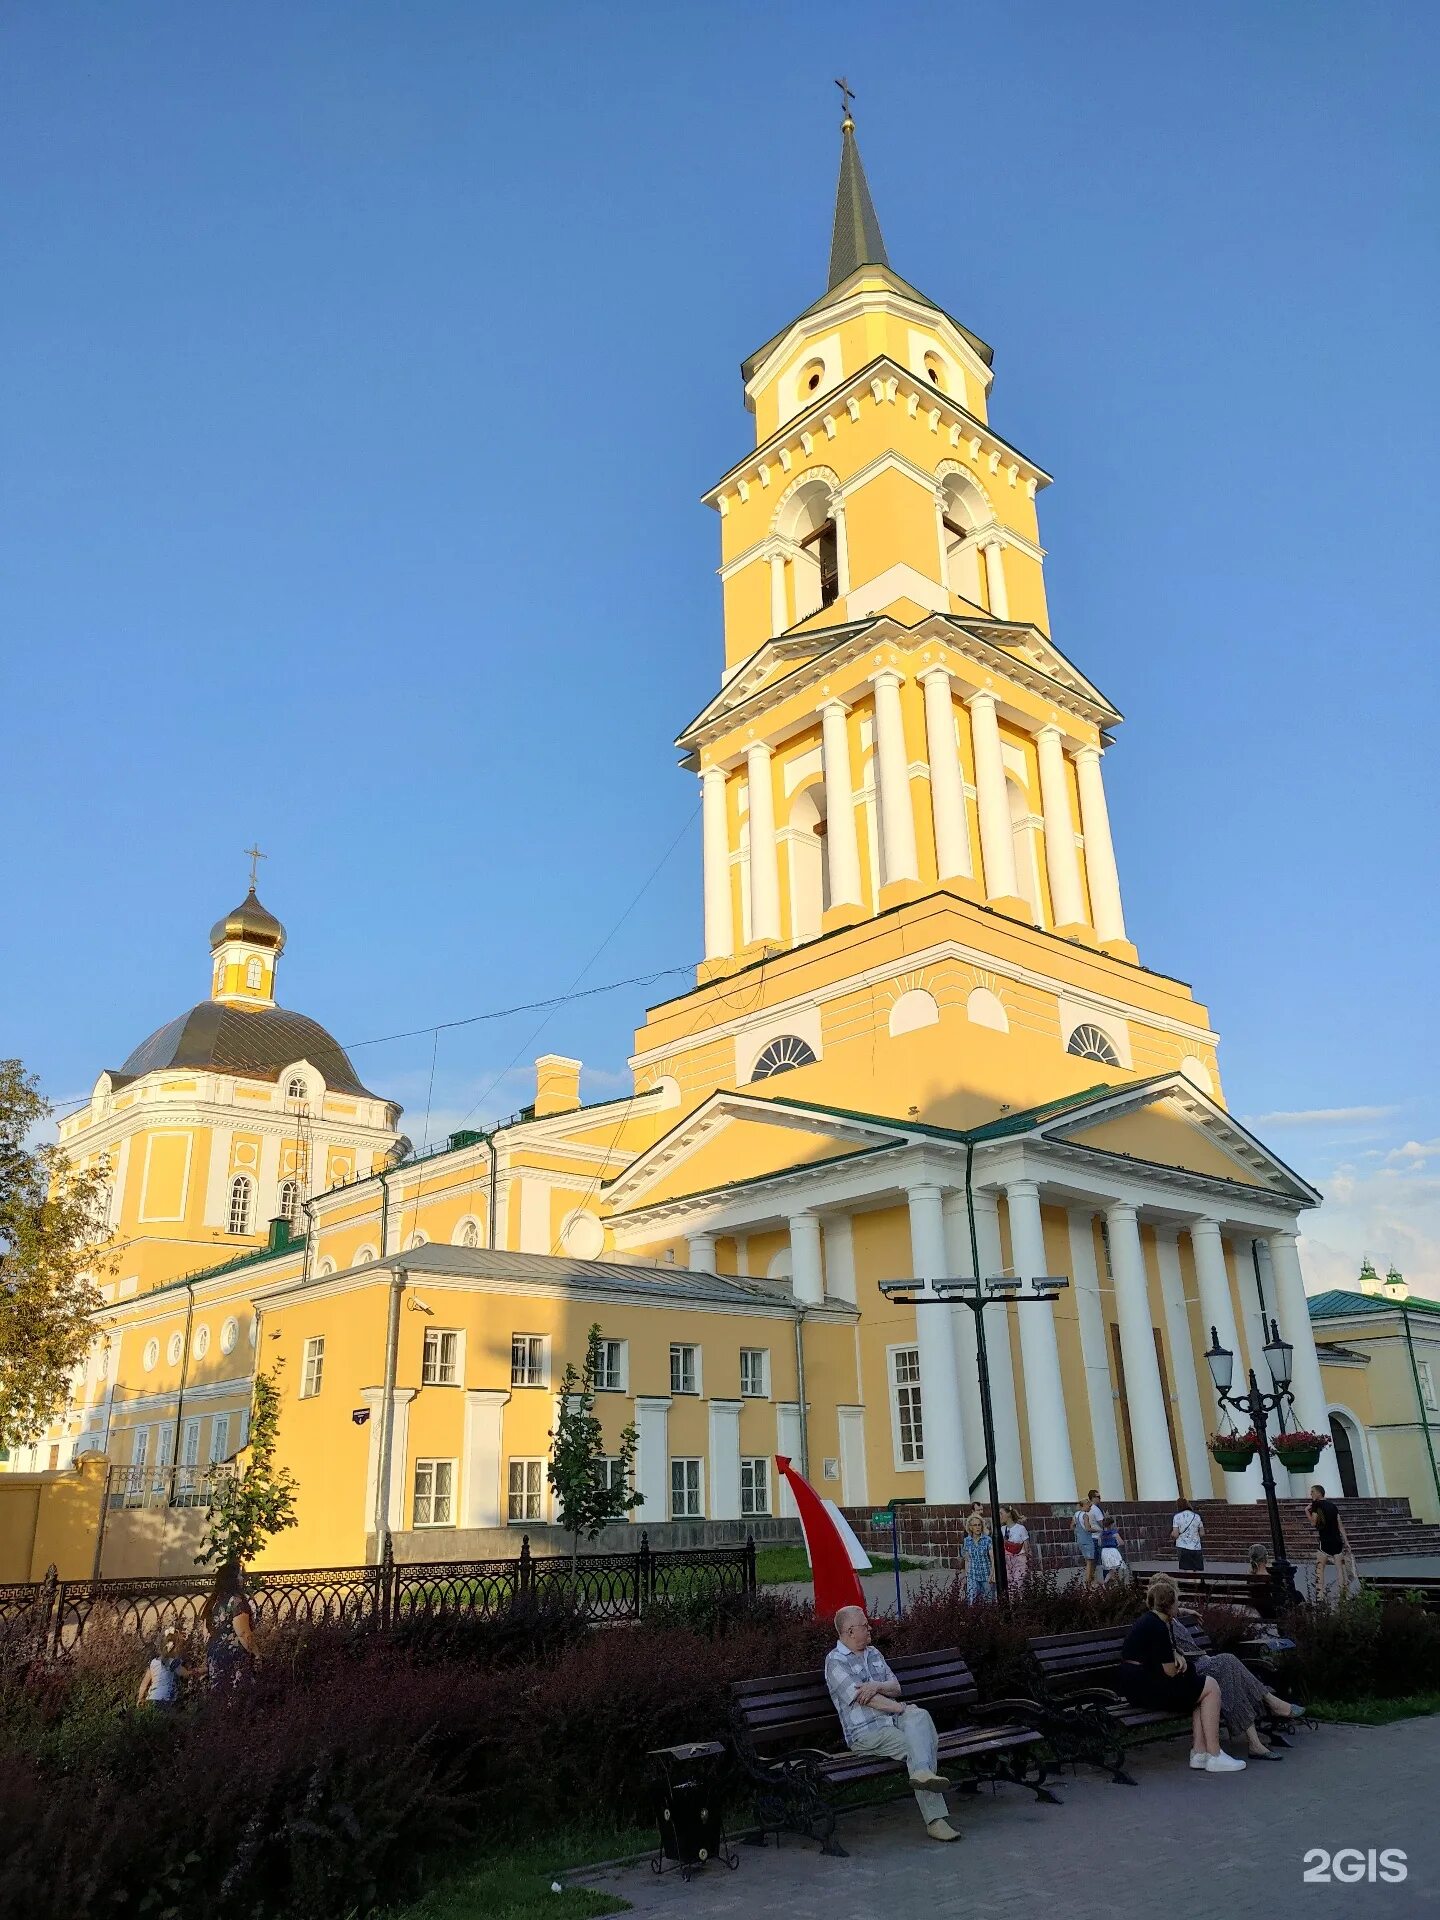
<point x="1340" y="1303"/>
<point x="856" y="240"/>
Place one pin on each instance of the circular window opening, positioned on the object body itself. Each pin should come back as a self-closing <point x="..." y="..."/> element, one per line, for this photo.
<point x="934" y="372"/>
<point x="229" y="1334"/>
<point x="151" y="1355"/>
<point x="813" y="375"/>
<point x="175" y="1349"/>
<point x="202" y="1342"/>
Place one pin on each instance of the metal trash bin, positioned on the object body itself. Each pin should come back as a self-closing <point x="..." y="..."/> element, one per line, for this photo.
<point x="688" y="1808"/>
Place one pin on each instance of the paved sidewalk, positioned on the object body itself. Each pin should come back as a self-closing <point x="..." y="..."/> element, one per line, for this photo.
<point x="1182" y="1845"/>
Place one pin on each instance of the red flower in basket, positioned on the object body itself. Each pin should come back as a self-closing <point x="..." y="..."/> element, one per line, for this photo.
<point x="1308" y="1445"/>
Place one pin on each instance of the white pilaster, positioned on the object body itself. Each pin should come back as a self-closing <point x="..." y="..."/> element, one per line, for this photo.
<point x="842" y="846"/>
<point x="481" y="1495"/>
<point x="807" y="1275"/>
<point x="267" y="1182"/>
<point x="374" y="1398"/>
<point x="842" y="546"/>
<point x="652" y="1457"/>
<point x="778" y="615"/>
<point x="854" y="1478"/>
<point x="1187" y="1364"/>
<point x="1144" y="1394"/>
<point x="1292" y="1312"/>
<point x="787" y="1441"/>
<point x="700" y="1253"/>
<point x="1218" y="1312"/>
<point x="839" y="1258"/>
<point x="997" y="845"/>
<point x="947" y="788"/>
<point x="764" y="867"/>
<point x="995" y="579"/>
<point x="946" y="1481"/>
<point x="724" y="1476"/>
<point x="1052" y="1466"/>
<point x="999" y="1348"/>
<point x="1061" y="860"/>
<point x="719" y="927"/>
<point x="217" y="1179"/>
<point x="892" y="780"/>
<point x="1090" y="1316"/>
<point x="1109" y="916"/>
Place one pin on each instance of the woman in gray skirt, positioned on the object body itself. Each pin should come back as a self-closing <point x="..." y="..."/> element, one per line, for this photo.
<point x="1242" y="1694"/>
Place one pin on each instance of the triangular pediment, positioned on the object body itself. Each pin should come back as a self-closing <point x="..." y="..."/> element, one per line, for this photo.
<point x="1169" y="1122"/>
<point x="735" y="1138"/>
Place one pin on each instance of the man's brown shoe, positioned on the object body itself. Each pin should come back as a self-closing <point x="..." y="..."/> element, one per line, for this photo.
<point x="932" y="1782"/>
<point x="941" y="1830"/>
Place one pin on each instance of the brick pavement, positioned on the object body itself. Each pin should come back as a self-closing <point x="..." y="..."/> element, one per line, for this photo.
<point x="1179" y="1846"/>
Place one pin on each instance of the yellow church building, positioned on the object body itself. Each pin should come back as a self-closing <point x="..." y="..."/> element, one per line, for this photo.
<point x="921" y="1045"/>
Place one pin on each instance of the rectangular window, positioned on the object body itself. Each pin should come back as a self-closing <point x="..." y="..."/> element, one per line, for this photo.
<point x="610" y="1373"/>
<point x="190" y="1444"/>
<point x="612" y="1474"/>
<point x="754" y="1373"/>
<point x="314" y="1368"/>
<point x="685" y="1502"/>
<point x="905" y="1386"/>
<point x="220" y="1437"/>
<point x="527" y="1359"/>
<point x="527" y="1489"/>
<point x="684" y="1369"/>
<point x="755" y="1485"/>
<point x="441" y="1364"/>
<point x="434" y="1493"/>
<point x="1427" y="1385"/>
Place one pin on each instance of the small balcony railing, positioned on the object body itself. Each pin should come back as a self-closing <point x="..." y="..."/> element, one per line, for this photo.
<point x="151" y="1487"/>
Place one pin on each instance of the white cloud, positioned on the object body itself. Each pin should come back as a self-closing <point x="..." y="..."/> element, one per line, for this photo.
<point x="1321" y="1117"/>
<point x="1390" y="1213"/>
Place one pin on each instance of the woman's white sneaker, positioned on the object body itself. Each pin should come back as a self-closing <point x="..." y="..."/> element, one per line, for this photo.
<point x="1224" y="1763"/>
<point x="1198" y="1758"/>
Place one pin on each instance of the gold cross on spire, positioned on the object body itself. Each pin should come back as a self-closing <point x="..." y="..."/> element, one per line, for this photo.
<point x="255" y="857"/>
<point x="847" y="95"/>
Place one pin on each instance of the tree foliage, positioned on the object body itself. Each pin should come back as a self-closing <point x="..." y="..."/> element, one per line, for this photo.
<point x="586" y="1496"/>
<point x="52" y="1230"/>
<point x="257" y="1501"/>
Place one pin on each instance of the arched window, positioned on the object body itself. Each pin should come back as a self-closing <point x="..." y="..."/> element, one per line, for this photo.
<point x="288" y="1205"/>
<point x="807" y="521"/>
<point x="986" y="1009"/>
<point x="781" y="1054"/>
<point x="240" y="1196"/>
<point x="1090" y="1043"/>
<point x="364" y="1257"/>
<point x="1022" y="835"/>
<point x="809" y="869"/>
<point x="295" y="1088"/>
<point x="470" y="1234"/>
<point x="963" y="511"/>
<point x="416" y="1240"/>
<point x="915" y="1008"/>
<point x="252" y="972"/>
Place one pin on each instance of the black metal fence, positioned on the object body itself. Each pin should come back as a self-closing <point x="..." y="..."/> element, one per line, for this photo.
<point x="53" y="1617"/>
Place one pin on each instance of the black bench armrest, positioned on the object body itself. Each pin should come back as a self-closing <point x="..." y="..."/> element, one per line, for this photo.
<point x="1022" y="1710"/>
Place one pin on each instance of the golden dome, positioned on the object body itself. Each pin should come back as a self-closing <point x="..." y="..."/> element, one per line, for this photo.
<point x="249" y="921"/>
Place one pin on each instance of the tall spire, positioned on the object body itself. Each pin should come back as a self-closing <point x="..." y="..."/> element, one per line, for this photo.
<point x="857" y="240"/>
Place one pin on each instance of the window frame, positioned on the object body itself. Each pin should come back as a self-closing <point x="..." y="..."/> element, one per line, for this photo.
<point x="254" y="973"/>
<point x="312" y="1367"/>
<point x="762" y="1392"/>
<point x="620" y="1383"/>
<point x="691" y="1347"/>
<point x="543" y="1342"/>
<point x="688" y="1460"/>
<point x="438" y="1336"/>
<point x="287" y="1201"/>
<point x="240" y="1183"/>
<point x="754" y="1462"/>
<point x="434" y="1462"/>
<point x="894" y="1385"/>
<point x="525" y="1460"/>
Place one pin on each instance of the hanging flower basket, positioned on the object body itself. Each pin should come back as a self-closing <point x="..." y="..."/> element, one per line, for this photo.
<point x="1233" y="1452"/>
<point x="1298" y="1451"/>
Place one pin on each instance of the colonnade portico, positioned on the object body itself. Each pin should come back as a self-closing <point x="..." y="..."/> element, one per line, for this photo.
<point x="940" y="701"/>
<point x="1164" y="1283"/>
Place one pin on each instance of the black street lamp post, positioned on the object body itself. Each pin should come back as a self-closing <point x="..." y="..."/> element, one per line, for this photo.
<point x="1256" y="1406"/>
<point x="977" y="1296"/>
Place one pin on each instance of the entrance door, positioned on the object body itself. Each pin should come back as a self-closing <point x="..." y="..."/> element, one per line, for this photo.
<point x="1344" y="1458"/>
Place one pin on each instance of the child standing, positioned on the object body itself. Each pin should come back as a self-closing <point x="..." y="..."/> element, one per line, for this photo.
<point x="1112" y="1556"/>
<point x="979" y="1560"/>
<point x="163" y="1678"/>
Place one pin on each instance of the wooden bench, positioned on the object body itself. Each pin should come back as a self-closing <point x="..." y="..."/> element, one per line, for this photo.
<point x="1209" y="1589"/>
<point x="787" y="1739"/>
<point x="1398" y="1586"/>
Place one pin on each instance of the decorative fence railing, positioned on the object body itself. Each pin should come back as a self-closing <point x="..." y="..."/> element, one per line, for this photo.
<point x="52" y="1617"/>
<point x="165" y="1486"/>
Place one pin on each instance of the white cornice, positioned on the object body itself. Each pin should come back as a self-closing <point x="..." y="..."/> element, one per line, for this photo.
<point x="827" y="318"/>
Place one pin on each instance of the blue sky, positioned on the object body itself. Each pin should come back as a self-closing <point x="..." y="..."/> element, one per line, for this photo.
<point x="363" y="366"/>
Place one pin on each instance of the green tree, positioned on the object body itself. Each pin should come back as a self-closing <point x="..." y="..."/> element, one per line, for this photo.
<point x="586" y="1495"/>
<point x="52" y="1234"/>
<point x="257" y="1501"/>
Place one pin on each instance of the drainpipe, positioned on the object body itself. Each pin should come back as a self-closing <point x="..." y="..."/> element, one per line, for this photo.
<point x="1420" y="1401"/>
<point x="387" y="1417"/>
<point x="383" y="1176"/>
<point x="494" y="1190"/>
<point x="800" y="1391"/>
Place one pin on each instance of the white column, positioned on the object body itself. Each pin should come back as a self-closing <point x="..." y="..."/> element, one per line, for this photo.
<point x="724" y="1476"/>
<point x="959" y="1262"/>
<point x="1052" y="1467"/>
<point x="778" y="619"/>
<point x="892" y="781"/>
<point x="995" y="579"/>
<point x="1109" y="916"/>
<point x="1000" y="1355"/>
<point x="719" y="927"/>
<point x="1090" y="1315"/>
<point x="1292" y="1312"/>
<point x="1187" y="1364"/>
<point x="842" y="846"/>
<point x="997" y="845"/>
<point x="1217" y="1311"/>
<point x="946" y="1481"/>
<point x="842" y="546"/>
<point x="700" y="1253"/>
<point x="764" y="869"/>
<point x="652" y="1457"/>
<point x="947" y="788"/>
<point x="1061" y="860"/>
<point x="1252" y="1321"/>
<point x="481" y="1495"/>
<point x="1144" y="1394"/>
<point x="807" y="1276"/>
<point x="839" y="1258"/>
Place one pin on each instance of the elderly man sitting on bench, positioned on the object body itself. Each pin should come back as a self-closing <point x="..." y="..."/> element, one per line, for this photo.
<point x="874" y="1719"/>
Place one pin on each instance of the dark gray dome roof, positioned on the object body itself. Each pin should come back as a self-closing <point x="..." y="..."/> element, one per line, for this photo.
<point x="259" y="1045"/>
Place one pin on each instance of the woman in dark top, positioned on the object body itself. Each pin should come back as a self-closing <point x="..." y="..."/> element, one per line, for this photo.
<point x="229" y="1621"/>
<point x="1154" y="1674"/>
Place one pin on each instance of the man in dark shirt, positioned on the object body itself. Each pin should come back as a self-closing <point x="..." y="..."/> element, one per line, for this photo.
<point x="1331" y="1543"/>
